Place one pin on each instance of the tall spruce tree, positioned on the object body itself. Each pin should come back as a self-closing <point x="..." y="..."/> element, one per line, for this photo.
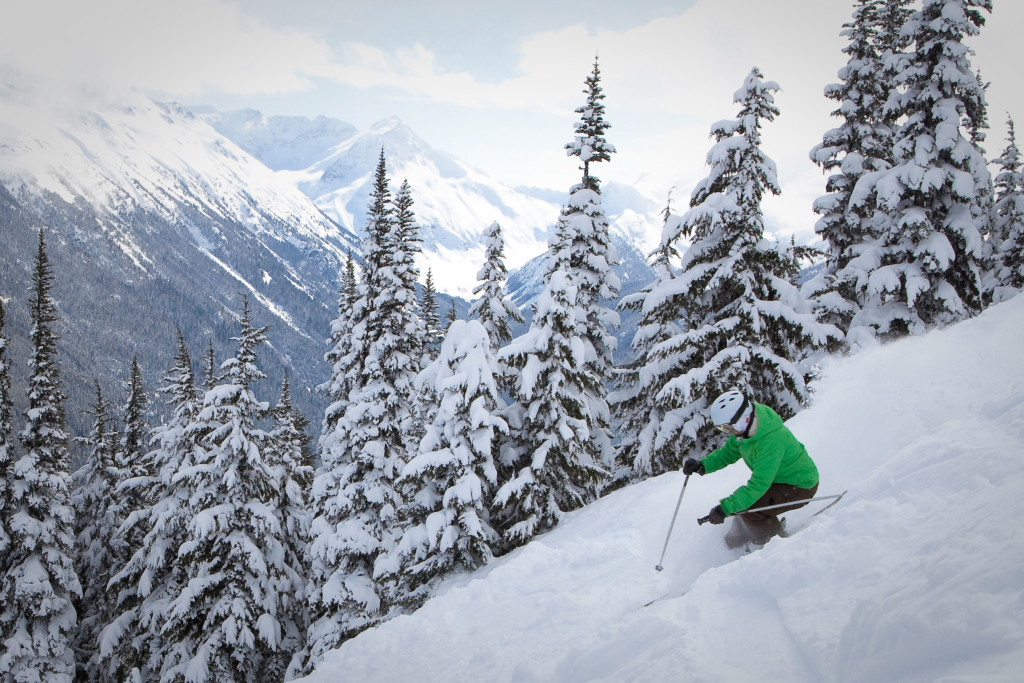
<point x="6" y="451"/>
<point x="638" y="413"/>
<point x="99" y="550"/>
<point x="861" y="145"/>
<point x="745" y="324"/>
<point x="550" y="466"/>
<point x="492" y="308"/>
<point x="37" y="615"/>
<point x="226" y="622"/>
<point x="936" y="196"/>
<point x="431" y="317"/>
<point x="6" y="445"/>
<point x="292" y="463"/>
<point x="133" y="643"/>
<point x="446" y="526"/>
<point x="363" y="449"/>
<point x="1008" y="222"/>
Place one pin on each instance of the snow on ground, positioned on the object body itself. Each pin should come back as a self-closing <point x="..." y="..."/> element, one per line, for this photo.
<point x="917" y="574"/>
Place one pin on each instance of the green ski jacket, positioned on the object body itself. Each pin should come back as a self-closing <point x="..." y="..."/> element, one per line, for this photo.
<point x="773" y="455"/>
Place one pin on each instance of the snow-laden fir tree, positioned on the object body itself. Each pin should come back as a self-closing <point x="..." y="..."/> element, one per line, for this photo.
<point x="6" y="445"/>
<point x="862" y="144"/>
<point x="492" y="308"/>
<point x="936" y="196"/>
<point x="550" y="466"/>
<point x="37" y="615"/>
<point x="133" y="450"/>
<point x="1008" y="222"/>
<point x="638" y="414"/>
<point x="431" y="317"/>
<point x="354" y="499"/>
<point x="99" y="551"/>
<point x="341" y="354"/>
<point x="226" y="621"/>
<point x="448" y="485"/>
<point x="591" y="255"/>
<point x="745" y="324"/>
<point x="133" y="644"/>
<point x="292" y="463"/>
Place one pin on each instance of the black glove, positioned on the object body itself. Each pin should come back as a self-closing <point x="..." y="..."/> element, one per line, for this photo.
<point x="717" y="515"/>
<point x="691" y="466"/>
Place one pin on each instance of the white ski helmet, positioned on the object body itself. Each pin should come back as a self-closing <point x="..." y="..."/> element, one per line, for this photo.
<point x="731" y="409"/>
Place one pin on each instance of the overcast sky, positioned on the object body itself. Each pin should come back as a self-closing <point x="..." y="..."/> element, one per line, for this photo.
<point x="495" y="83"/>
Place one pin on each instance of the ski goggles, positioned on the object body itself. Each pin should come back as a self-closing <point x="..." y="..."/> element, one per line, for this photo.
<point x="725" y="429"/>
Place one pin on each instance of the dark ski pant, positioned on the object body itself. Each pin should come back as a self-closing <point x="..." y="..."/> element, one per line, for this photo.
<point x="761" y="526"/>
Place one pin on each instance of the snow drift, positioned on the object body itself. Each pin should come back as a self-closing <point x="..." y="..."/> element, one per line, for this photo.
<point x="917" y="575"/>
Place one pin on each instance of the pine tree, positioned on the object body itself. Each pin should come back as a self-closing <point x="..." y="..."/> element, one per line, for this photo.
<point x="492" y="308"/>
<point x="745" y="324"/>
<point x="290" y="459"/>
<point x="6" y="451"/>
<point x="37" y="615"/>
<point x="355" y="503"/>
<point x="226" y="622"/>
<point x="551" y="465"/>
<point x="860" y="146"/>
<point x="584" y="243"/>
<point x="133" y="644"/>
<point x="452" y="315"/>
<point x="1008" y="223"/>
<point x="446" y="524"/>
<point x="432" y="334"/>
<point x="99" y="550"/>
<point x="135" y="472"/>
<point x="936" y="195"/>
<point x="637" y="411"/>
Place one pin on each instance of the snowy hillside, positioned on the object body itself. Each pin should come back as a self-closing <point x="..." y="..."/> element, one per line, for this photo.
<point x="333" y="165"/>
<point x="148" y="209"/>
<point x="917" y="575"/>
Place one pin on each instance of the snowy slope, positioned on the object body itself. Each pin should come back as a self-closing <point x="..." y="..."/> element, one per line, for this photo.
<point x="917" y="575"/>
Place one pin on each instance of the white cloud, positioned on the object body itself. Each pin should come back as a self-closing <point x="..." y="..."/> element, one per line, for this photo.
<point x="181" y="47"/>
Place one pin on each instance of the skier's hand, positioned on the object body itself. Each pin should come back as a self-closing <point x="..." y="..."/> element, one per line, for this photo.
<point x="717" y="515"/>
<point x="692" y="466"/>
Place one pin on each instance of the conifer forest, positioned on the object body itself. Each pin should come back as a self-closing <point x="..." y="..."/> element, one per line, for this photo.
<point x="240" y="540"/>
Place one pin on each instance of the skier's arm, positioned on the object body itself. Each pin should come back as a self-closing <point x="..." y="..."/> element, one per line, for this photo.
<point x="762" y="474"/>
<point x="722" y="457"/>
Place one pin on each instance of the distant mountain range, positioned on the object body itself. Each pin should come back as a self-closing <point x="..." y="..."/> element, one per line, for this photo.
<point x="158" y="217"/>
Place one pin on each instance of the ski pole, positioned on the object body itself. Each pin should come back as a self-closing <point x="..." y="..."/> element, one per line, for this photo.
<point x="702" y="520"/>
<point x="674" y="514"/>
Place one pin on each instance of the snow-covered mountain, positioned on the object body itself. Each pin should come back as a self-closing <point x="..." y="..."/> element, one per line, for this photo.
<point x="917" y="575"/>
<point x="333" y="164"/>
<point x="156" y="221"/>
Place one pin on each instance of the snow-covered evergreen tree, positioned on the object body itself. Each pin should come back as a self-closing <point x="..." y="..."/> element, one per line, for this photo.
<point x="226" y="622"/>
<point x="492" y="308"/>
<point x="7" y="456"/>
<point x="638" y="413"/>
<point x="133" y="644"/>
<point x="936" y="196"/>
<point x="1008" y="223"/>
<point x="355" y="502"/>
<point x="6" y="444"/>
<point x="862" y="144"/>
<point x="289" y="458"/>
<point x="446" y="525"/>
<point x="133" y="450"/>
<point x="99" y="550"/>
<point x="551" y="465"/>
<point x="37" y="615"/>
<point x="431" y="318"/>
<point x="746" y="325"/>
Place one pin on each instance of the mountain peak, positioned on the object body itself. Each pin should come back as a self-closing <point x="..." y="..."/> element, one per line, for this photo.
<point x="387" y="125"/>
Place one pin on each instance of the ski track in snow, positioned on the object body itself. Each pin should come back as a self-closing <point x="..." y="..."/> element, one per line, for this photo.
<point x="917" y="575"/>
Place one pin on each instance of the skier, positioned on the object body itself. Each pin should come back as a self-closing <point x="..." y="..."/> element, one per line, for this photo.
<point x="781" y="470"/>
